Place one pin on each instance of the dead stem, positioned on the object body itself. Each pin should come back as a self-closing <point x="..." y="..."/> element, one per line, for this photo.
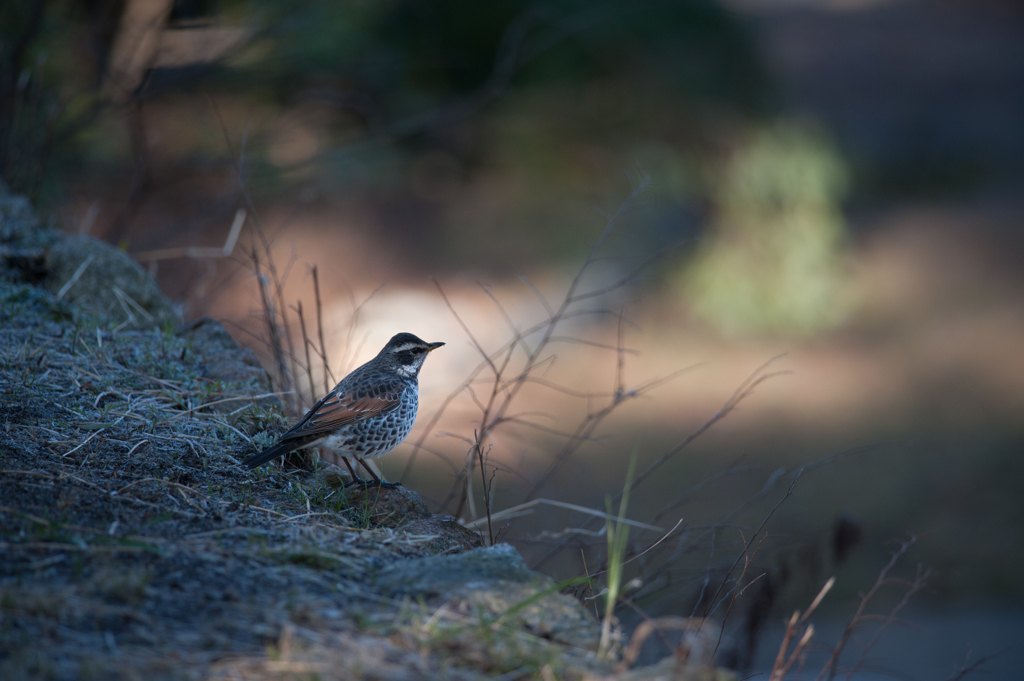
<point x="831" y="667"/>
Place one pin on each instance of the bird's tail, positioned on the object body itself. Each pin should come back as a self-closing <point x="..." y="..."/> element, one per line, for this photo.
<point x="277" y="450"/>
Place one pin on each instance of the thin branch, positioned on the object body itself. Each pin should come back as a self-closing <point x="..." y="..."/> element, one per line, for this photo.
<point x="543" y="301"/>
<point x="831" y="666"/>
<point x="764" y="522"/>
<point x="748" y="558"/>
<point x="976" y="665"/>
<point x="320" y="331"/>
<point x="743" y="391"/>
<point x="465" y="328"/>
<point x="486" y="490"/>
<point x="919" y="582"/>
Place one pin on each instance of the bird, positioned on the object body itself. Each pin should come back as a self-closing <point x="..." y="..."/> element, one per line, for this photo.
<point x="367" y="414"/>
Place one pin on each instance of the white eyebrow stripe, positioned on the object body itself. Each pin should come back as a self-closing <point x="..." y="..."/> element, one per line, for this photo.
<point x="407" y="346"/>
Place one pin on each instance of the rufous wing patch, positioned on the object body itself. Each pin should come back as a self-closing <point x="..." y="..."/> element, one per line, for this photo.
<point x="336" y="411"/>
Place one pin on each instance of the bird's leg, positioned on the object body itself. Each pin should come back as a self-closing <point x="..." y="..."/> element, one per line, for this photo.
<point x="356" y="480"/>
<point x="377" y="482"/>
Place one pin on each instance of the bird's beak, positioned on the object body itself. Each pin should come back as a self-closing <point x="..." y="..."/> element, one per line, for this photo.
<point x="433" y="346"/>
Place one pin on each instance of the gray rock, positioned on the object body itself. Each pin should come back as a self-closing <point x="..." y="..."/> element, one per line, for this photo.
<point x="435" y="576"/>
<point x="495" y="582"/>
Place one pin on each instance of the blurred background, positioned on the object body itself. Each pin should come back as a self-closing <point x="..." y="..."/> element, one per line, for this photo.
<point x="836" y="184"/>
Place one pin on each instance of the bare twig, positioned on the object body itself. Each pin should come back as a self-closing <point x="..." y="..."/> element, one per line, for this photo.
<point x="919" y="582"/>
<point x="743" y="391"/>
<point x="711" y="605"/>
<point x="708" y="537"/>
<point x="831" y="666"/>
<point x="782" y="663"/>
<point x="74" y="277"/>
<point x="305" y="344"/>
<point x="648" y="627"/>
<point x="320" y="330"/>
<point x="976" y="665"/>
<point x="748" y="558"/>
<point x="495" y="409"/>
<point x="485" y="487"/>
<point x="527" y="508"/>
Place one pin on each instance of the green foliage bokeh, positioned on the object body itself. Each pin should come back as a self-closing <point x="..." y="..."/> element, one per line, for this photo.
<point x="773" y="262"/>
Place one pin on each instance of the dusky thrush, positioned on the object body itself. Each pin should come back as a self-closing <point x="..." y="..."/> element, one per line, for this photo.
<point x="367" y="414"/>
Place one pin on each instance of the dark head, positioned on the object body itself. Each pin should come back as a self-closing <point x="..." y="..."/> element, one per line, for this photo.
<point x="406" y="353"/>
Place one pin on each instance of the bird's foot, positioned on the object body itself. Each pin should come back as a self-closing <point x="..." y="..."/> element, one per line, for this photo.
<point x="357" y="481"/>
<point x="367" y="484"/>
<point x="376" y="482"/>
